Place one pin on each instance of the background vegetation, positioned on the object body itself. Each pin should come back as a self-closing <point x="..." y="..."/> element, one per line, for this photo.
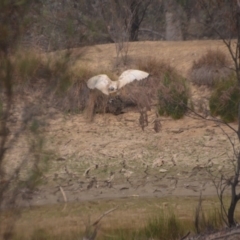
<point x="67" y="24"/>
<point x="48" y="26"/>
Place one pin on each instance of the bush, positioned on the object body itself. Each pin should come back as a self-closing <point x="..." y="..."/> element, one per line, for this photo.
<point x="210" y="220"/>
<point x="26" y="65"/>
<point x="72" y="93"/>
<point x="155" y="67"/>
<point x="173" y="96"/>
<point x="168" y="88"/>
<point x="210" y="68"/>
<point x="225" y="99"/>
<point x="54" y="77"/>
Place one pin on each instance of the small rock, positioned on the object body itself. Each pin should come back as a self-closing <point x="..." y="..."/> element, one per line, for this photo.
<point x="162" y="170"/>
<point x="220" y="168"/>
<point x="177" y="130"/>
<point x="207" y="138"/>
<point x="223" y="138"/>
<point x="128" y="174"/>
<point x="157" y="162"/>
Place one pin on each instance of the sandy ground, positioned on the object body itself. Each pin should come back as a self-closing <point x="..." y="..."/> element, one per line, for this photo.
<point x="113" y="158"/>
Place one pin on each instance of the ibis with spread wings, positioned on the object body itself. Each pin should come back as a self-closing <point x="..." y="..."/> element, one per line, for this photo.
<point x="104" y="84"/>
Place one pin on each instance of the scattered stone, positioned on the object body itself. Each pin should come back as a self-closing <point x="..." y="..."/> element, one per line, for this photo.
<point x="128" y="174"/>
<point x="162" y="170"/>
<point x="174" y="157"/>
<point x="157" y="163"/>
<point x="135" y="195"/>
<point x="223" y="138"/>
<point x="207" y="138"/>
<point x="177" y="130"/>
<point x="220" y="168"/>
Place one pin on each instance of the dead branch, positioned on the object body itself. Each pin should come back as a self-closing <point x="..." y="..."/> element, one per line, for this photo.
<point x="91" y="229"/>
<point x="103" y="215"/>
<point x="152" y="31"/>
<point x="185" y="236"/>
<point x="227" y="235"/>
<point x="63" y="193"/>
<point x="87" y="172"/>
<point x="220" y="186"/>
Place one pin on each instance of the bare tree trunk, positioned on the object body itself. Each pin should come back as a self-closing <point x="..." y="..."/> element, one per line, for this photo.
<point x="238" y="59"/>
<point x="231" y="211"/>
<point x="173" y="22"/>
<point x="234" y="197"/>
<point x="135" y="23"/>
<point x="138" y="10"/>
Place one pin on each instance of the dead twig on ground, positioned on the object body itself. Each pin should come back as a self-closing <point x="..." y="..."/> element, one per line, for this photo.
<point x="63" y="194"/>
<point x="185" y="236"/>
<point x="103" y="215"/>
<point x="91" y="229"/>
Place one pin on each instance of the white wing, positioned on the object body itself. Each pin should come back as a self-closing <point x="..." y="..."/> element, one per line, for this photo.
<point x="131" y="75"/>
<point x="99" y="82"/>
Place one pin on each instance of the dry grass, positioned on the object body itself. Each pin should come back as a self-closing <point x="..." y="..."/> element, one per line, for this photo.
<point x="62" y="78"/>
<point x="211" y="68"/>
<point x="150" y="217"/>
<point x="52" y="77"/>
<point x="74" y="97"/>
<point x="57" y="78"/>
<point x="26" y="65"/>
<point x="155" y="67"/>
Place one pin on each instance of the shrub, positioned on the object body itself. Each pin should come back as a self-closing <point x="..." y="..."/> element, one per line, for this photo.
<point x="225" y="99"/>
<point x="210" y="221"/>
<point x="168" y="88"/>
<point x="53" y="76"/>
<point x="173" y="96"/>
<point x="76" y="96"/>
<point x="155" y="67"/>
<point x="211" y="68"/>
<point x="163" y="78"/>
<point x="26" y="65"/>
<point x="60" y="76"/>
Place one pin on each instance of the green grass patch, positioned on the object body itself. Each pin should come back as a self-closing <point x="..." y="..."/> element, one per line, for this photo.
<point x="166" y="226"/>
